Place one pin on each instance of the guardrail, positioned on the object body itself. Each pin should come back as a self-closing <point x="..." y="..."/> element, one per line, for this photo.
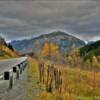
<point x="14" y="69"/>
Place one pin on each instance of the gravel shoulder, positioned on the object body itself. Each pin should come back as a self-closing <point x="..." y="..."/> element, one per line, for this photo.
<point x="19" y="90"/>
<point x="27" y="87"/>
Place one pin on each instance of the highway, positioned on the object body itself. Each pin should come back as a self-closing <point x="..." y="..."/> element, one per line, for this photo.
<point x="7" y="64"/>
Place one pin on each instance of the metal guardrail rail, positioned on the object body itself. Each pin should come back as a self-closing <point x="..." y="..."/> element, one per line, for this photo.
<point x="10" y="66"/>
<point x="6" y="65"/>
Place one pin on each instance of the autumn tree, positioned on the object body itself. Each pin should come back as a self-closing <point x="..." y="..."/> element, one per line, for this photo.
<point x="53" y="49"/>
<point x="46" y="49"/>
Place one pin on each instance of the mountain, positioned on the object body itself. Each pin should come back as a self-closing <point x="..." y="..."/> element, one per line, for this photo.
<point x="90" y="49"/>
<point x="62" y="39"/>
<point x="89" y="42"/>
<point x="6" y="50"/>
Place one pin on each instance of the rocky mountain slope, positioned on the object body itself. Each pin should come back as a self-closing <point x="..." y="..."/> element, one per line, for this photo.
<point x="64" y="41"/>
<point x="90" y="49"/>
<point x="6" y="50"/>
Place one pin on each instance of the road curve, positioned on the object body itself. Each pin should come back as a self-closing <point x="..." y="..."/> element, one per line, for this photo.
<point x="7" y="64"/>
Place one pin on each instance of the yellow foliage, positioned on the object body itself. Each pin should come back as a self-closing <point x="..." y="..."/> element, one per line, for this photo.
<point x="53" y="48"/>
<point x="94" y="60"/>
<point x="74" y="84"/>
<point x="46" y="49"/>
<point x="7" y="52"/>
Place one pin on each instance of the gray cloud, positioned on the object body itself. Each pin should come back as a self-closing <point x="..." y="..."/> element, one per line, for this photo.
<point x="29" y="17"/>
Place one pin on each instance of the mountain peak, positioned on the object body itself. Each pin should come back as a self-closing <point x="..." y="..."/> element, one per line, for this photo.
<point x="62" y="39"/>
<point x="59" y="33"/>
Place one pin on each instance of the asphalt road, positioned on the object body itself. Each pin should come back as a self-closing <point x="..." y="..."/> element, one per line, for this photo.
<point x="19" y="90"/>
<point x="7" y="64"/>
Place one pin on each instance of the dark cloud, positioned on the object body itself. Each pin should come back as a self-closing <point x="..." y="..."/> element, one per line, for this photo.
<point x="29" y="17"/>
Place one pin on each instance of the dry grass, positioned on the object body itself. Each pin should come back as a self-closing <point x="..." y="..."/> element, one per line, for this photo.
<point x="6" y="52"/>
<point x="76" y="84"/>
<point x="34" y="87"/>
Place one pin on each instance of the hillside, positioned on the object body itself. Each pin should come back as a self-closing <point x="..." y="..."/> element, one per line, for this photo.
<point x="91" y="49"/>
<point x="6" y="50"/>
<point x="63" y="40"/>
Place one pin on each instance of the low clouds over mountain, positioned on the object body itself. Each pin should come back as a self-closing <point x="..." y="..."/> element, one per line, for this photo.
<point x="28" y="17"/>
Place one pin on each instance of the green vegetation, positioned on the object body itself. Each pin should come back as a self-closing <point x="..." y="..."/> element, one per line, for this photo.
<point x="89" y="50"/>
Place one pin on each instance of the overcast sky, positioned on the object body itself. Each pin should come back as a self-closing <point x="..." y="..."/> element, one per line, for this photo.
<point x="24" y="18"/>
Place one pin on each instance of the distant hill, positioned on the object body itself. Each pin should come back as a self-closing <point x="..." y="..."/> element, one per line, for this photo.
<point x="62" y="39"/>
<point x="6" y="50"/>
<point x="90" y="49"/>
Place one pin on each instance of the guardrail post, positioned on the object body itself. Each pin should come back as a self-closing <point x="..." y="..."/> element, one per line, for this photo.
<point x="6" y="75"/>
<point x="11" y="82"/>
<point x="23" y="65"/>
<point x="21" y="68"/>
<point x="17" y="74"/>
<point x="14" y="69"/>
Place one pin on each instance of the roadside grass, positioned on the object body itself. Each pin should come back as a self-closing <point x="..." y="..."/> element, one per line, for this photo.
<point x="34" y="86"/>
<point x="76" y="84"/>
